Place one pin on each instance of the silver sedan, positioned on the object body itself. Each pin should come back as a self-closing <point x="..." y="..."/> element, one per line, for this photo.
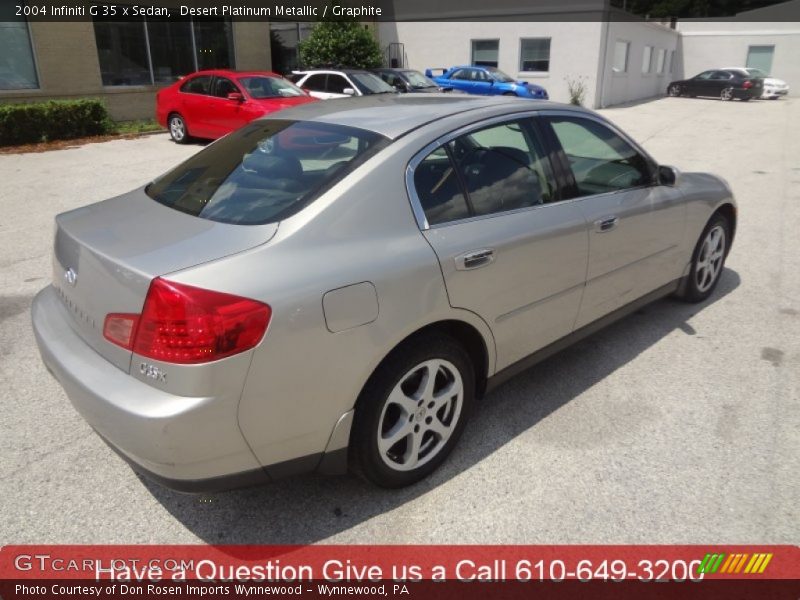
<point x="338" y="284"/>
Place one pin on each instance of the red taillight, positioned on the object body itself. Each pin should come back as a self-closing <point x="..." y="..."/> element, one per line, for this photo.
<point x="748" y="84"/>
<point x="188" y="325"/>
<point x="120" y="328"/>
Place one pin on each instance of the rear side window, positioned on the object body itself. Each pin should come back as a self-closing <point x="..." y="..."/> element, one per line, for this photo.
<point x="491" y="170"/>
<point x="265" y="171"/>
<point x="600" y="160"/>
<point x="198" y="85"/>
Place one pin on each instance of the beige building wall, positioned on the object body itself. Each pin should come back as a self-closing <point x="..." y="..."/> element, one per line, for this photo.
<point x="68" y="67"/>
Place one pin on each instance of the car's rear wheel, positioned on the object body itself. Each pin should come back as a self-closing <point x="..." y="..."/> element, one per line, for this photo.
<point x="509" y="94"/>
<point x="177" y="129"/>
<point x="726" y="94"/>
<point x="412" y="411"/>
<point x="675" y="90"/>
<point x="708" y="260"/>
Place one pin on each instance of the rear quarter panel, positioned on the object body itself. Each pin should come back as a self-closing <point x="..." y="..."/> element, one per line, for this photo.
<point x="302" y="377"/>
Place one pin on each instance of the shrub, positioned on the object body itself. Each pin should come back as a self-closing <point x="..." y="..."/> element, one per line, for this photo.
<point x="52" y="120"/>
<point x="340" y="43"/>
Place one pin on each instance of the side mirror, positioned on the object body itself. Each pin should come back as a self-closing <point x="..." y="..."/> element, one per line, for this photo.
<point x="668" y="175"/>
<point x="236" y="96"/>
<point x="349" y="91"/>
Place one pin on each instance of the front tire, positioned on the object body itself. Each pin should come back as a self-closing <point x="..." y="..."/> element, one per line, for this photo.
<point x="674" y="91"/>
<point x="178" y="130"/>
<point x="708" y="260"/>
<point x="412" y="411"/>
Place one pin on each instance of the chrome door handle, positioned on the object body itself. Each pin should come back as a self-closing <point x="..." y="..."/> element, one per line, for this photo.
<point x="474" y="259"/>
<point x="605" y="224"/>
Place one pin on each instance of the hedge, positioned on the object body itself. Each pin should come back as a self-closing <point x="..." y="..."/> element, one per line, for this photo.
<point x="52" y="120"/>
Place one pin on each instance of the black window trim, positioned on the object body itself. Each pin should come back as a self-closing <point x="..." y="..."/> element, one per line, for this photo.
<point x="530" y="118"/>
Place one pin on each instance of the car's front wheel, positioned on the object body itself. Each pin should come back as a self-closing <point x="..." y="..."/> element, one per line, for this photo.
<point x="412" y="411"/>
<point x="675" y="90"/>
<point x="708" y="260"/>
<point x="178" y="130"/>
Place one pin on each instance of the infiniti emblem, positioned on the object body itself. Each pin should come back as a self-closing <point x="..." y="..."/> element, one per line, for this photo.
<point x="71" y="276"/>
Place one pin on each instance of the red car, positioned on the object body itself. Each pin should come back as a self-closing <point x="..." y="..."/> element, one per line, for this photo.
<point x="210" y="104"/>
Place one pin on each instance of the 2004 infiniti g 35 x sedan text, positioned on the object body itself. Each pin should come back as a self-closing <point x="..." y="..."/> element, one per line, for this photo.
<point x="338" y="283"/>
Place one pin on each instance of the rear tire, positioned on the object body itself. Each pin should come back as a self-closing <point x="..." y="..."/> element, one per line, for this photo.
<point x="509" y="94"/>
<point x="406" y="424"/>
<point x="726" y="94"/>
<point x="708" y="260"/>
<point x="178" y="130"/>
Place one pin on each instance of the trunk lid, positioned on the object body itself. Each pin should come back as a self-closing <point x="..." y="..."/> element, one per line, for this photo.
<point x="106" y="255"/>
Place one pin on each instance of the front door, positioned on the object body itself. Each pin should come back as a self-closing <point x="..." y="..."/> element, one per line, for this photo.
<point x="509" y="249"/>
<point x="225" y="115"/>
<point x="635" y="225"/>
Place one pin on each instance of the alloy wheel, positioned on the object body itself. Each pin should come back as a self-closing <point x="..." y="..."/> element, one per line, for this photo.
<point x="177" y="129"/>
<point x="674" y="90"/>
<point x="710" y="258"/>
<point x="726" y="94"/>
<point x="420" y="415"/>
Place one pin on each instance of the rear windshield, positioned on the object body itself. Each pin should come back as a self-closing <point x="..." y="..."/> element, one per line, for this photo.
<point x="265" y="172"/>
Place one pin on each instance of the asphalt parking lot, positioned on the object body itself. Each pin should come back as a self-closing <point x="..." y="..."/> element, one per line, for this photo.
<point x="679" y="424"/>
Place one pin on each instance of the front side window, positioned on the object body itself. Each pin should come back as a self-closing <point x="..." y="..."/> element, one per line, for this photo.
<point x="488" y="171"/>
<point x="198" y="85"/>
<point x="485" y="52"/>
<point x="264" y="172"/>
<point x="534" y="55"/>
<point x="336" y="84"/>
<point x="224" y="86"/>
<point x="600" y="160"/>
<point x="17" y="69"/>
<point x="621" y="49"/>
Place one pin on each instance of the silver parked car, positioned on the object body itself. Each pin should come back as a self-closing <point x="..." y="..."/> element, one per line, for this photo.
<point x="338" y="284"/>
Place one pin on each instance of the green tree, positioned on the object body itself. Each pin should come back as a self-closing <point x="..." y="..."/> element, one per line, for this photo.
<point x="340" y="43"/>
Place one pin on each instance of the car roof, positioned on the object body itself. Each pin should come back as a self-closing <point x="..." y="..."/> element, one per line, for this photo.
<point x="330" y="70"/>
<point x="394" y="115"/>
<point x="232" y="73"/>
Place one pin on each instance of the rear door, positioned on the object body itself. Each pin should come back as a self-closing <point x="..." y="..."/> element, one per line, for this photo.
<point x="483" y="83"/>
<point x="194" y="105"/>
<point x="460" y="80"/>
<point x="635" y="225"/>
<point x="509" y="249"/>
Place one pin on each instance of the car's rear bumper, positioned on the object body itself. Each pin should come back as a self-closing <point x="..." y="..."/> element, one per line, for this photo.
<point x="186" y="443"/>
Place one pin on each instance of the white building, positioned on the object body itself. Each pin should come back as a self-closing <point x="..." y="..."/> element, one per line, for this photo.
<point x="617" y="60"/>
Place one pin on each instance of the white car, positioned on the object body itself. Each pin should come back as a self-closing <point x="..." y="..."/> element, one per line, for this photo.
<point x="773" y="88"/>
<point x="340" y="83"/>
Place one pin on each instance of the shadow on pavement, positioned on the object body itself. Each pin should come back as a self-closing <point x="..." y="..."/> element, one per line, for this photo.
<point x="311" y="508"/>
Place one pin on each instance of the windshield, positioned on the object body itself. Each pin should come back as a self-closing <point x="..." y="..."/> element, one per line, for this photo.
<point x="418" y="80"/>
<point x="368" y="83"/>
<point x="264" y="172"/>
<point x="500" y="75"/>
<point x="270" y="87"/>
<point x="756" y="73"/>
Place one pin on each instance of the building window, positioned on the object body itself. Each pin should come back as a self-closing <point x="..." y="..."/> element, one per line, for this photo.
<point x="760" y="57"/>
<point x="647" y="59"/>
<point x="534" y="55"/>
<point x="154" y="51"/>
<point x="660" y="58"/>
<point x="17" y="69"/>
<point x="621" y="56"/>
<point x="484" y="52"/>
<point x="284" y="40"/>
<point x="672" y="61"/>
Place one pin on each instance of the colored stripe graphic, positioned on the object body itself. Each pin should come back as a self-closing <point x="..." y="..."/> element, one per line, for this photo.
<point x="734" y="563"/>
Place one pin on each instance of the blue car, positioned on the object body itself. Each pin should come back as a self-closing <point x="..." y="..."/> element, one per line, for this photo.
<point x="486" y="81"/>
